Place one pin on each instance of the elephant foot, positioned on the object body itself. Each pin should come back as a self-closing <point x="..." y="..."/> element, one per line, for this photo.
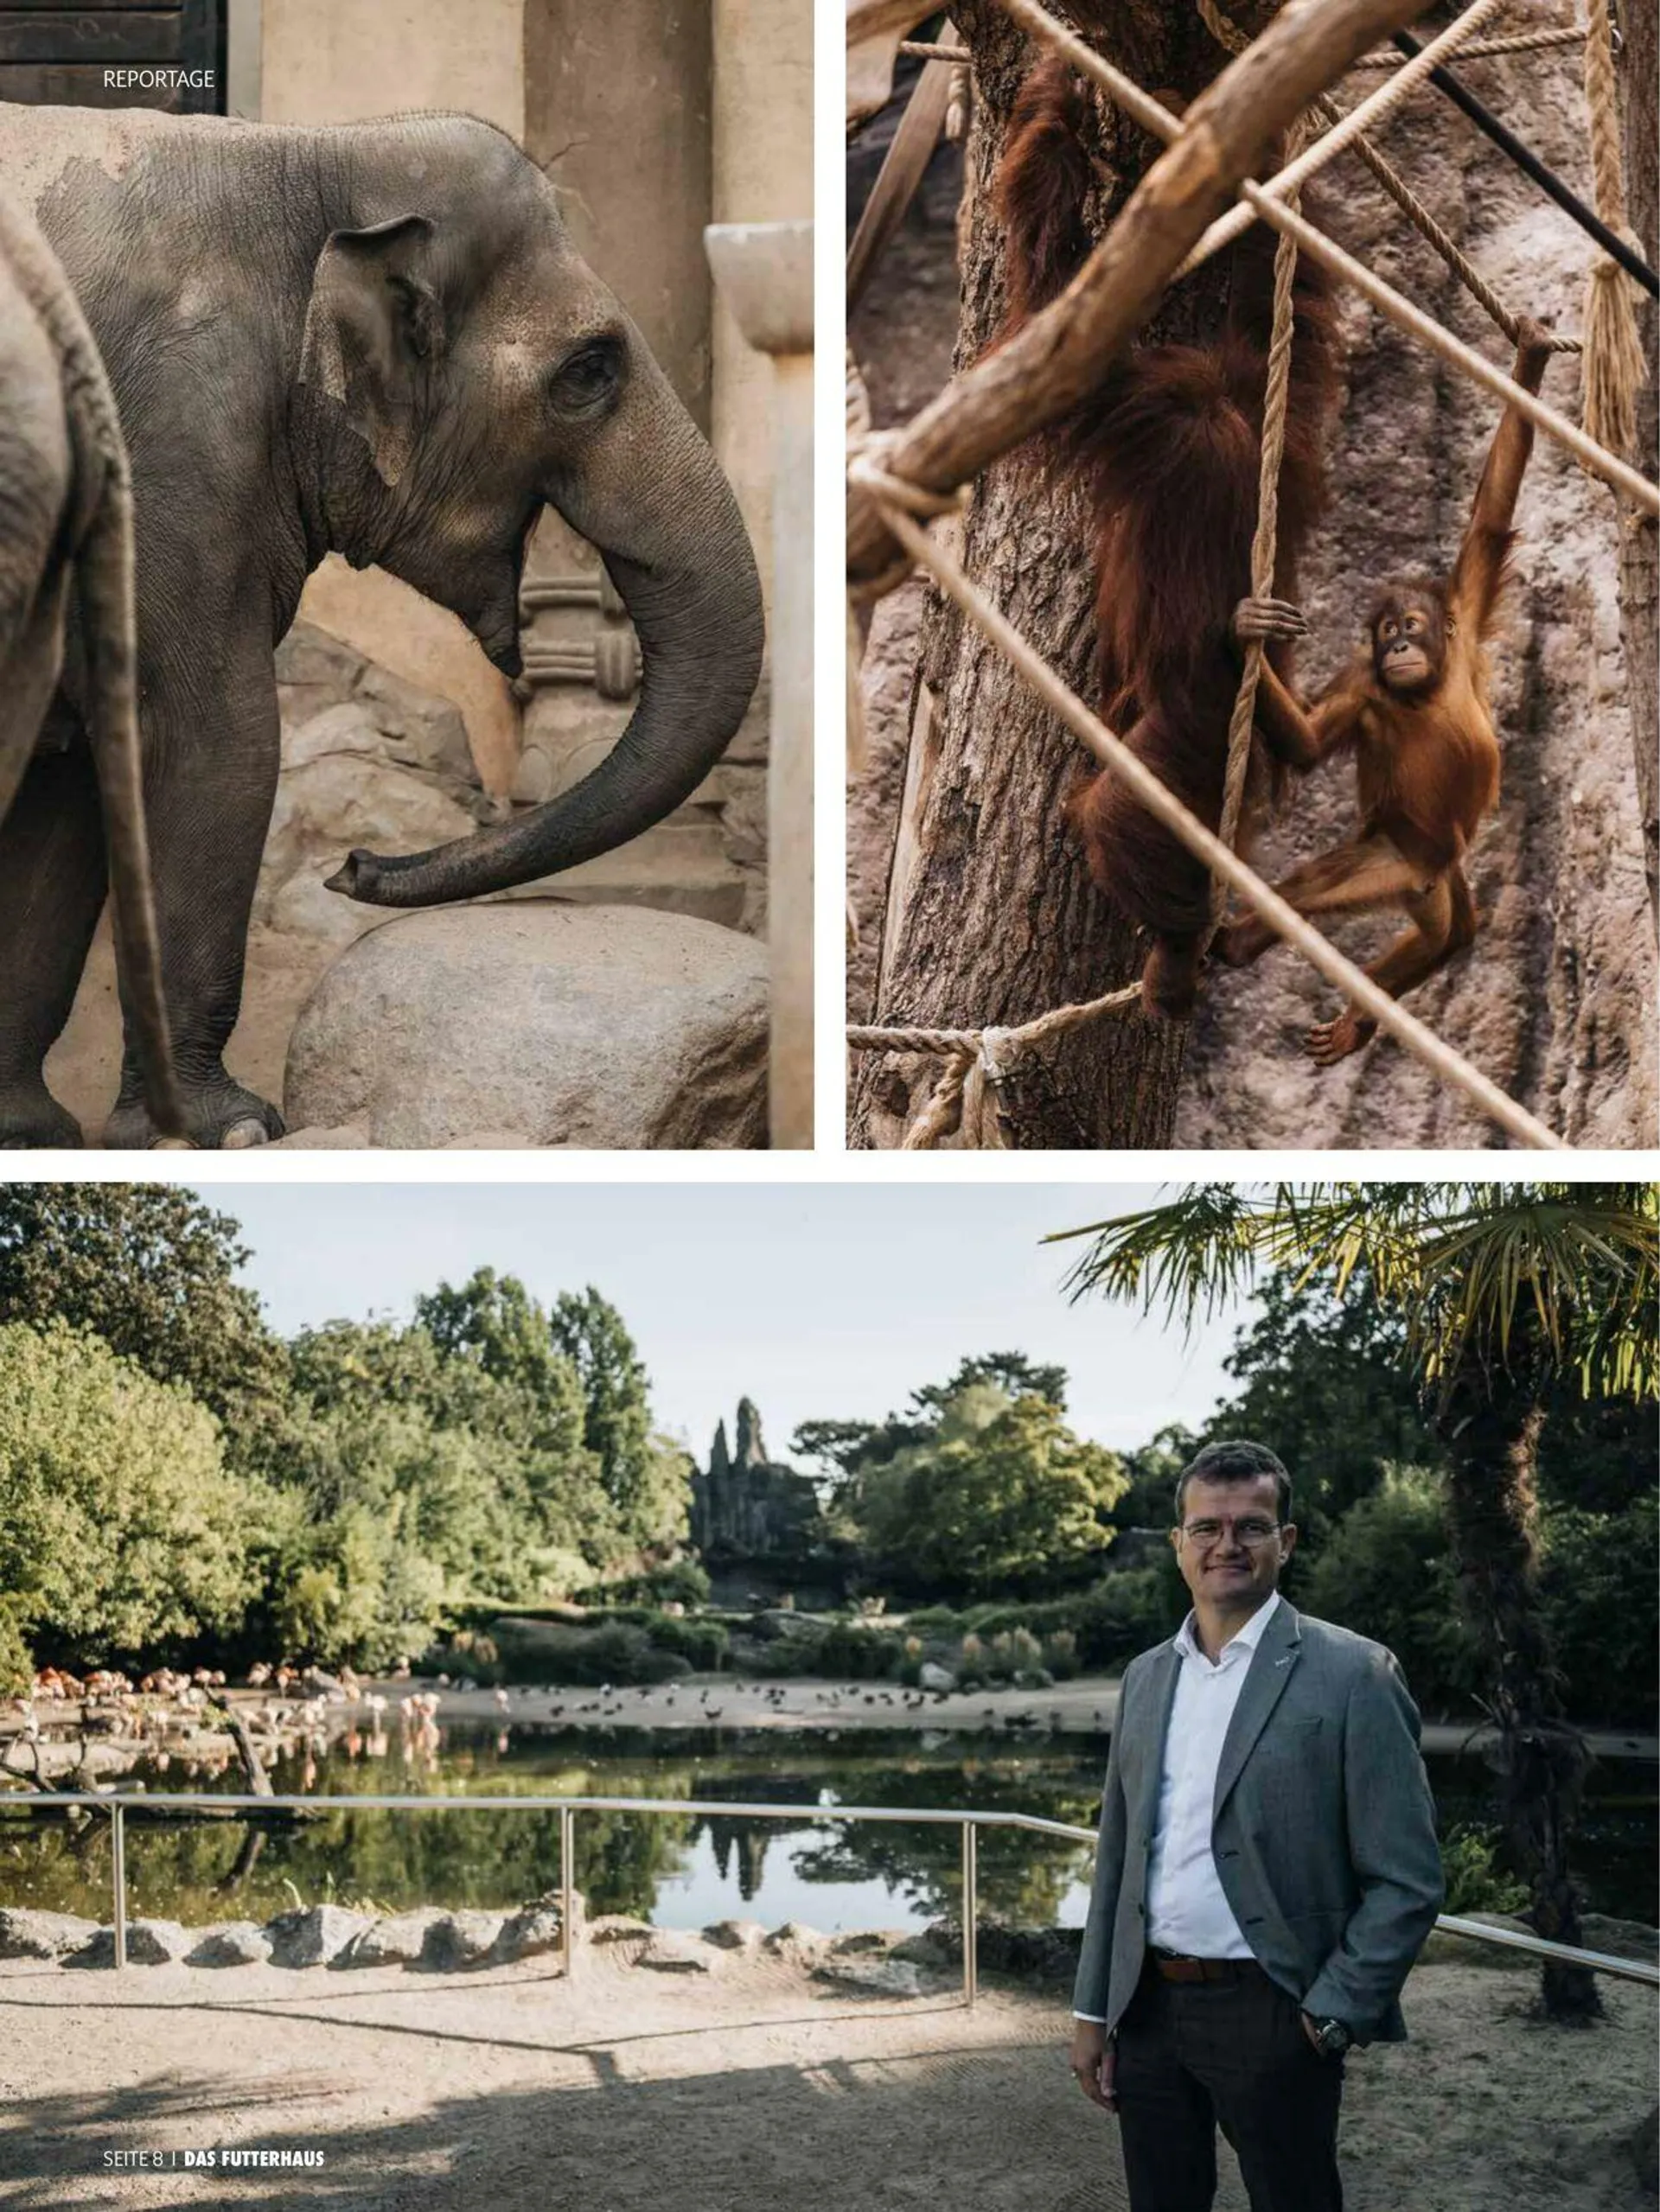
<point x="218" y="1117"/>
<point x="30" y="1119"/>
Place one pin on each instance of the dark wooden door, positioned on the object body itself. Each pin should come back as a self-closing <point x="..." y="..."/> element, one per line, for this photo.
<point x="165" y="54"/>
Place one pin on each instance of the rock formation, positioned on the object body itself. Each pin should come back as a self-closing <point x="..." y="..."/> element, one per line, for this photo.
<point x="745" y="1506"/>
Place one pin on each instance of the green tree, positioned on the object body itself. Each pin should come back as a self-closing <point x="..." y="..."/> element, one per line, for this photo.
<point x="152" y="1271"/>
<point x="1011" y="1373"/>
<point x="1151" y="1473"/>
<point x="1003" y="1497"/>
<point x="1324" y="1376"/>
<point x="1507" y="1293"/>
<point x="646" y="1478"/>
<point x="120" y="1527"/>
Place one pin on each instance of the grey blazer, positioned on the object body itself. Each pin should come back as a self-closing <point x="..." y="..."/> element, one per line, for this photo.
<point x="1324" y="1830"/>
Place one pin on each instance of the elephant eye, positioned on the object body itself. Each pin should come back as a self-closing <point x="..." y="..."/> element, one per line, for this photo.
<point x="586" y="380"/>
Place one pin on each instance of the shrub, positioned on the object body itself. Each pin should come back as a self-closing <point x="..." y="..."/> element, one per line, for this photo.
<point x="545" y="1651"/>
<point x="1387" y="1572"/>
<point x="704" y="1644"/>
<point x="1475" y="1882"/>
<point x="684" y="1582"/>
<point x="1600" y="1598"/>
<point x="847" y="1648"/>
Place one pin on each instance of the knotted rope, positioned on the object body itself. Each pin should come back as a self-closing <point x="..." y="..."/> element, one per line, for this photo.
<point x="968" y="1095"/>
<point x="1614" y="367"/>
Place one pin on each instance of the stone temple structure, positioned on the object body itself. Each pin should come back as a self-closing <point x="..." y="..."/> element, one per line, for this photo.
<point x="745" y="1506"/>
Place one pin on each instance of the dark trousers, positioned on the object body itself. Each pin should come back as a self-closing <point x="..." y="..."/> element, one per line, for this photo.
<point x="1194" y="2056"/>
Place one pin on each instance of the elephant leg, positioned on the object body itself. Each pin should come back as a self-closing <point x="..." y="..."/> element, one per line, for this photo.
<point x="51" y="894"/>
<point x="213" y="758"/>
<point x="32" y="662"/>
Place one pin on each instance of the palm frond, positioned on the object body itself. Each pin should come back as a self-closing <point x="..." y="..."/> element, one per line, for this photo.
<point x="1465" y="1263"/>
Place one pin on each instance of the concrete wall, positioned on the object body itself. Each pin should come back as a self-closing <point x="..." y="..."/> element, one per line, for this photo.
<point x="344" y="62"/>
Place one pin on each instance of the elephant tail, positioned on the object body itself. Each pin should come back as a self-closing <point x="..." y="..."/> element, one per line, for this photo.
<point x="104" y="576"/>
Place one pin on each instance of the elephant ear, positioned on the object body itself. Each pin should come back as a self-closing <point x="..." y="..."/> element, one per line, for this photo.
<point x="372" y="326"/>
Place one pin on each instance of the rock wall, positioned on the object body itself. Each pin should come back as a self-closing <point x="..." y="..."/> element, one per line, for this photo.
<point x="1556" y="1002"/>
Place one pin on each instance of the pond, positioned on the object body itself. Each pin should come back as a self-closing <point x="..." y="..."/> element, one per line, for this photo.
<point x="686" y="1870"/>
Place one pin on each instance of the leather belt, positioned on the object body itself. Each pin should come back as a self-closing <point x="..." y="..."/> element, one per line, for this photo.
<point x="1169" y="1966"/>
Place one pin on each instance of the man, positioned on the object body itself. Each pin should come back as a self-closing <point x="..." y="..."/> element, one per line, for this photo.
<point x="1266" y="1870"/>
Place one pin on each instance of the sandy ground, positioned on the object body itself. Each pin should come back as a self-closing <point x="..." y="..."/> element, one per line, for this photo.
<point x="752" y="2088"/>
<point x="1085" y="1707"/>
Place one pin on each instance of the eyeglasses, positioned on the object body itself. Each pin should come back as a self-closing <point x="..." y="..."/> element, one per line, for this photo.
<point x="1248" y="1532"/>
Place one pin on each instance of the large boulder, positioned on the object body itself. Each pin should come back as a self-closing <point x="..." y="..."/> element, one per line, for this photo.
<point x="233" y="1944"/>
<point x="528" y="1934"/>
<point x="149" y="1943"/>
<point x="397" y="1940"/>
<point x="460" y="1939"/>
<point x="313" y="1935"/>
<point x="619" y="1028"/>
<point x="26" y="1934"/>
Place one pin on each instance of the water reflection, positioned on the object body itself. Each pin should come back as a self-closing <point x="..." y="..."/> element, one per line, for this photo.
<point x="681" y="1871"/>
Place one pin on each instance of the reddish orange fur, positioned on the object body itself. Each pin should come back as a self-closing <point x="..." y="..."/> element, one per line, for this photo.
<point x="1427" y="753"/>
<point x="1166" y="456"/>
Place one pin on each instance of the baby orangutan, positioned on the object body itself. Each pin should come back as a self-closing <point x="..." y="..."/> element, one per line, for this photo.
<point x="1426" y="757"/>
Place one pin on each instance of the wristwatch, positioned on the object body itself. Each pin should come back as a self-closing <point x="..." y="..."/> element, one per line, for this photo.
<point x="1332" y="2037"/>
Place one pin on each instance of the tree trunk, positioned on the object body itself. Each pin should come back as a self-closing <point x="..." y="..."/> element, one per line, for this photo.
<point x="1491" y="1426"/>
<point x="1639" y="603"/>
<point x="991" y="918"/>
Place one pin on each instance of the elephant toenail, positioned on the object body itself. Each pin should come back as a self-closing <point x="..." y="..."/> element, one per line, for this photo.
<point x="241" y="1135"/>
<point x="171" y="1145"/>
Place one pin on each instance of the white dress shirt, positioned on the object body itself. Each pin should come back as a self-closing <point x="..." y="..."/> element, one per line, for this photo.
<point x="1187" y="1911"/>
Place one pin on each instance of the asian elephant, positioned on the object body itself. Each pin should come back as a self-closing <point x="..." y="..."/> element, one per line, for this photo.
<point x="375" y="338"/>
<point x="65" y="513"/>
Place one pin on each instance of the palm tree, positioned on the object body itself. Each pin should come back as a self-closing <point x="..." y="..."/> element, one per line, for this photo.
<point x="1506" y="1288"/>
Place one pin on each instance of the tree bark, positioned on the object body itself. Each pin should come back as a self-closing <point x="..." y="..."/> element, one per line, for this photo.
<point x="1639" y="602"/>
<point x="995" y="920"/>
<point x="1491" y="1425"/>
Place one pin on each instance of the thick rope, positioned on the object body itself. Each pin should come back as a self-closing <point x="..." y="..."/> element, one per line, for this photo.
<point x="1456" y="259"/>
<point x="1265" y="539"/>
<point x="1375" y="108"/>
<point x="1614" y="367"/>
<point x="1149" y="791"/>
<point x="1260" y="201"/>
<point x="1399" y="190"/>
<point x="1386" y="57"/>
<point x="968" y="1095"/>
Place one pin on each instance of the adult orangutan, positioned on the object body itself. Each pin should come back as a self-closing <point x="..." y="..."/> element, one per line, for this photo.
<point x="1415" y="707"/>
<point x="1166" y="455"/>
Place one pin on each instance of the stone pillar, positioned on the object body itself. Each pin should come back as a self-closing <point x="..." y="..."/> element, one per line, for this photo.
<point x="764" y="273"/>
<point x="617" y="112"/>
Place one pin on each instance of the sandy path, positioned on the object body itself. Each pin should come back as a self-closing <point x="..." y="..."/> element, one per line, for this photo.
<point x="1083" y="1707"/>
<point x="752" y="2089"/>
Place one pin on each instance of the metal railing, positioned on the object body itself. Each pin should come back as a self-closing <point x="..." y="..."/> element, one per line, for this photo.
<point x="971" y="1819"/>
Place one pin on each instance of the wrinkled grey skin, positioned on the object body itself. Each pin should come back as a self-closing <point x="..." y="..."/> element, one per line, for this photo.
<point x="375" y="340"/>
<point x="65" y="512"/>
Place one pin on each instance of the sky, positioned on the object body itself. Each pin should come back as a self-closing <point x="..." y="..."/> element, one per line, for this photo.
<point x="816" y="1300"/>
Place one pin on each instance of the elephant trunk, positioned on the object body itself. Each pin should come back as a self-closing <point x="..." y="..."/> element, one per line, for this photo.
<point x="692" y="590"/>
